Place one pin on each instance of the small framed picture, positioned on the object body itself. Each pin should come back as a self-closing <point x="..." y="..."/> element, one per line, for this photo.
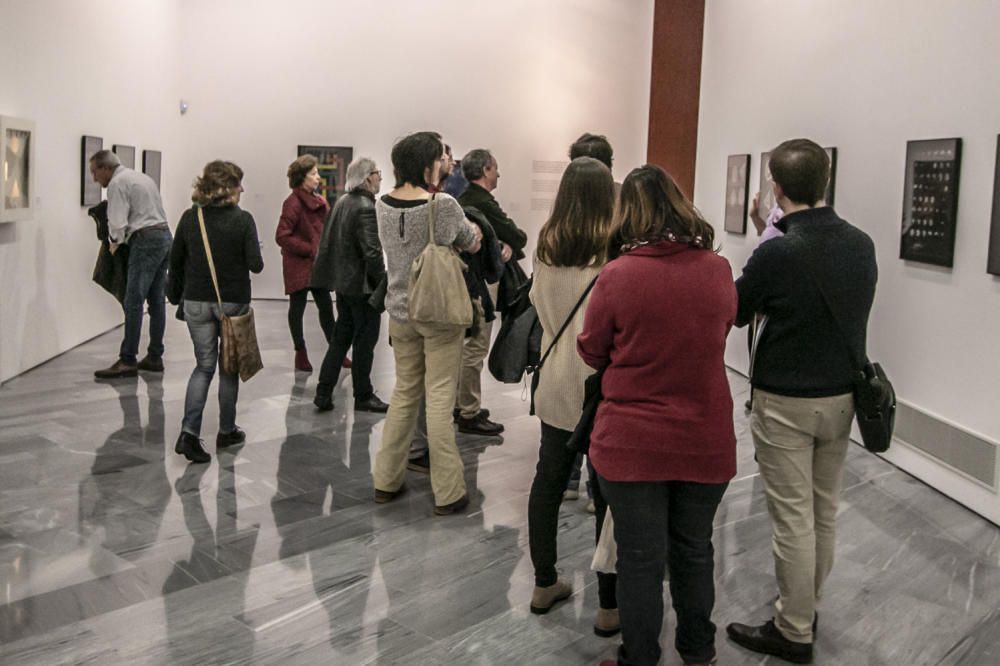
<point x="90" y="189"/>
<point x="126" y="154"/>
<point x="930" y="201"/>
<point x="151" y="165"/>
<point x="737" y="193"/>
<point x="17" y="177"/>
<point x="993" y="258"/>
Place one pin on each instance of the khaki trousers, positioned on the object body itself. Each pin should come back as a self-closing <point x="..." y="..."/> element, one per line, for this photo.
<point x="427" y="361"/>
<point x="474" y="352"/>
<point x="801" y="444"/>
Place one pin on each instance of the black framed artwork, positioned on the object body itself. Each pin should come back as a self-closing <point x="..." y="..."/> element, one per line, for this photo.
<point x="333" y="162"/>
<point x="90" y="189"/>
<point x="151" y="161"/>
<point x="737" y="193"/>
<point x="993" y="255"/>
<point x="126" y="154"/>
<point x="930" y="201"/>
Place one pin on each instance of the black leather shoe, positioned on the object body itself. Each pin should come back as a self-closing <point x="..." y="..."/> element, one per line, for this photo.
<point x="479" y="425"/>
<point x="237" y="436"/>
<point x="421" y="464"/>
<point x="384" y="496"/>
<point x="766" y="639"/>
<point x="119" y="369"/>
<point x="455" y="507"/>
<point x="324" y="403"/>
<point x="372" y="404"/>
<point x="150" y="364"/>
<point x="191" y="448"/>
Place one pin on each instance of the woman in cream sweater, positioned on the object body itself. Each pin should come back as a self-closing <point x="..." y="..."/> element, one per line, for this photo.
<point x="570" y="254"/>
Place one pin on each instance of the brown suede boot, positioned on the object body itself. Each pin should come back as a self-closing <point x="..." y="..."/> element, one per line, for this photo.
<point x="544" y="598"/>
<point x="607" y="622"/>
<point x="302" y="361"/>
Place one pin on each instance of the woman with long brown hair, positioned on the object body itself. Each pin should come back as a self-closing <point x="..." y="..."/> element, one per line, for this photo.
<point x="570" y="254"/>
<point x="663" y="443"/>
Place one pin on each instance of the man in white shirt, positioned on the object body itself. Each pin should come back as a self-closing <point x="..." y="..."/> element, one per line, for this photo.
<point x="136" y="217"/>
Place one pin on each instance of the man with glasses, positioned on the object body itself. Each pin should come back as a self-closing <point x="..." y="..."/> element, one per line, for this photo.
<point x="349" y="262"/>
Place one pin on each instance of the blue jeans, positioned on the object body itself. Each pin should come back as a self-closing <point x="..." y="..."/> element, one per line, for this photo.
<point x="148" y="252"/>
<point x="203" y="322"/>
<point x="664" y="525"/>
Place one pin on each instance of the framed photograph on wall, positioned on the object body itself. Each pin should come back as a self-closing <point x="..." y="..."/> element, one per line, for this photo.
<point x="90" y="189"/>
<point x="766" y="201"/>
<point x="737" y="193"/>
<point x="151" y="160"/>
<point x="930" y="201"/>
<point x="993" y="256"/>
<point x="333" y="161"/>
<point x="17" y="175"/>
<point x="831" y="185"/>
<point x="126" y="154"/>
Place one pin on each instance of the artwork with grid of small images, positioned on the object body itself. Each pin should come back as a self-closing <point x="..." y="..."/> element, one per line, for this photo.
<point x="930" y="201"/>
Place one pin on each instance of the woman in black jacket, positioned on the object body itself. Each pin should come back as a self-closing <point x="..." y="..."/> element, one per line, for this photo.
<point x="232" y="237"/>
<point x="349" y="261"/>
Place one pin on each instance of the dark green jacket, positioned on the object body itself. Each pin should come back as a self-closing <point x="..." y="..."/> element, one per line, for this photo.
<point x="506" y="230"/>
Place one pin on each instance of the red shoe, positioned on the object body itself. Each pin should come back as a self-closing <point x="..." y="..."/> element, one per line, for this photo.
<point x="347" y="362"/>
<point x="302" y="361"/>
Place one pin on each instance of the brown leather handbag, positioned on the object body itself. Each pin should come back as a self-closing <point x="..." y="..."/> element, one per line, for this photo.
<point x="239" y="351"/>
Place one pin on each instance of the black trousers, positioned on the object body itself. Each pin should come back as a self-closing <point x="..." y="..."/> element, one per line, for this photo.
<point x="357" y="326"/>
<point x="555" y="464"/>
<point x="297" y="309"/>
<point x="664" y="525"/>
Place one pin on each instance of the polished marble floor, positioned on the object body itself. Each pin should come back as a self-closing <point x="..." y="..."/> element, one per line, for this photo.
<point x="113" y="550"/>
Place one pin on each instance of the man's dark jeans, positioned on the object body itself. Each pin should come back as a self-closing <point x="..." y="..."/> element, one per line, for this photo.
<point x="555" y="464"/>
<point x="658" y="525"/>
<point x="148" y="252"/>
<point x="357" y="326"/>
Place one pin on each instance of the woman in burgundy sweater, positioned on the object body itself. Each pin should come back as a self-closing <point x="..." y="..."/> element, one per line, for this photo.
<point x="299" y="230"/>
<point x="663" y="442"/>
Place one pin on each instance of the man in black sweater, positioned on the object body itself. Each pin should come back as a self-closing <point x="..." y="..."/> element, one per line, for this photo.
<point x="815" y="287"/>
<point x="483" y="173"/>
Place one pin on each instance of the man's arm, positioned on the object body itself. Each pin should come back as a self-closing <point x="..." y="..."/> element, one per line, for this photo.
<point x="752" y="285"/>
<point x="505" y="228"/>
<point x="371" y="246"/>
<point x="117" y="213"/>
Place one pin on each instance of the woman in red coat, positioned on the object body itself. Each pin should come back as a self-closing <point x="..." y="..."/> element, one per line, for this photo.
<point x="299" y="229"/>
<point x="663" y="443"/>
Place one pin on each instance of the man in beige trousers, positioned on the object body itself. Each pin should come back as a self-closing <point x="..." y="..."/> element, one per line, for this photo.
<point x="815" y="285"/>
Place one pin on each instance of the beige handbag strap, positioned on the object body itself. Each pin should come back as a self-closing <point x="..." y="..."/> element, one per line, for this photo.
<point x="431" y="214"/>
<point x="208" y="253"/>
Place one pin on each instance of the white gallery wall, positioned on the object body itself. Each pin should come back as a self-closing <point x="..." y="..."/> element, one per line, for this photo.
<point x="867" y="77"/>
<point x="521" y="78"/>
<point x="100" y="68"/>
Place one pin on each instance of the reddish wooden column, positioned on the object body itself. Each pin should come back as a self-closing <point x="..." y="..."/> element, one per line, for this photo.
<point x="678" y="26"/>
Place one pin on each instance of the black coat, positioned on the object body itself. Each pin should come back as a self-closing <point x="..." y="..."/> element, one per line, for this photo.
<point x="349" y="260"/>
<point x="111" y="270"/>
<point x="485" y="266"/>
<point x="508" y="232"/>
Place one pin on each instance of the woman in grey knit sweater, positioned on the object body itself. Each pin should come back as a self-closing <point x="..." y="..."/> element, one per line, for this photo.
<point x="427" y="356"/>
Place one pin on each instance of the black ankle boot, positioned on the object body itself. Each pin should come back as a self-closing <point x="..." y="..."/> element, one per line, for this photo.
<point x="324" y="397"/>
<point x="191" y="448"/>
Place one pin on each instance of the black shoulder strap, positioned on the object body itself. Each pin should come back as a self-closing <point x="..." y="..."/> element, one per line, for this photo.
<point x="565" y="324"/>
<point x="804" y="266"/>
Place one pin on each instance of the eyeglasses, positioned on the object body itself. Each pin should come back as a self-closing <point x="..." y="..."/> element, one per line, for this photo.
<point x="376" y="171"/>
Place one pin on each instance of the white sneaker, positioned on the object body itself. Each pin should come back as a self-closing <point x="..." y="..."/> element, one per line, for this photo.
<point x="590" y="507"/>
<point x="571" y="494"/>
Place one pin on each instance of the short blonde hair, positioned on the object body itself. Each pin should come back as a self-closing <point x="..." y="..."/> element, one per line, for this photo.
<point x="218" y="185"/>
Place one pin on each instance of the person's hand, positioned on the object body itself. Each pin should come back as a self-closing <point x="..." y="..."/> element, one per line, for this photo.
<point x="113" y="247"/>
<point x="506" y="252"/>
<point x="758" y="222"/>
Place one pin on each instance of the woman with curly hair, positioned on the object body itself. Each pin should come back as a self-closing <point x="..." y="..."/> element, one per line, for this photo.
<point x="232" y="237"/>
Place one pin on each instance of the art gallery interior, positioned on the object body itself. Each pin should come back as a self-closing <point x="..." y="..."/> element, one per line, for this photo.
<point x="112" y="549"/>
